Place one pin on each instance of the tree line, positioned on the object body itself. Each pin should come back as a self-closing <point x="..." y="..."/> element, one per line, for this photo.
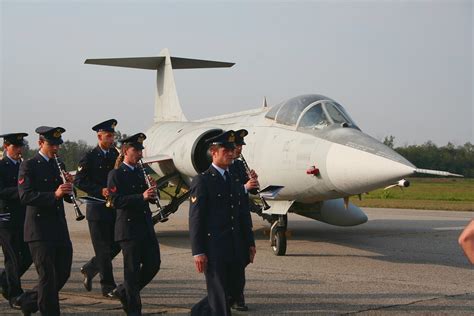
<point x="455" y="159"/>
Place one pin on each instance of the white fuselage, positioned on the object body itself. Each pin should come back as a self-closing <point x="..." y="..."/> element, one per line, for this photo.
<point x="281" y="155"/>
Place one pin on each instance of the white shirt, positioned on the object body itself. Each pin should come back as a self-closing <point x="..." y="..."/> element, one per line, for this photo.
<point x="221" y="171"/>
<point x="130" y="166"/>
<point x="44" y="156"/>
<point x="13" y="160"/>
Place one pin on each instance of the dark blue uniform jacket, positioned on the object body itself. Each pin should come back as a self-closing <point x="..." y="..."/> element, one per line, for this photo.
<point x="9" y="198"/>
<point x="218" y="222"/>
<point x="45" y="219"/>
<point x="133" y="220"/>
<point x="91" y="177"/>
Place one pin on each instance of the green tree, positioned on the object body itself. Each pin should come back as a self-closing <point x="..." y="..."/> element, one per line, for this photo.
<point x="389" y="141"/>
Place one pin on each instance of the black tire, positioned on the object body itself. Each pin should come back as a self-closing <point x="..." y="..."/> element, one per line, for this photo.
<point x="279" y="243"/>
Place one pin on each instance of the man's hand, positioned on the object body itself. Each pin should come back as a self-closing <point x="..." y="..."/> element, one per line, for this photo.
<point x="252" y="184"/>
<point x="69" y="177"/>
<point x="105" y="192"/>
<point x="150" y="194"/>
<point x="253" y="252"/>
<point x="62" y="190"/>
<point x="253" y="174"/>
<point x="200" y="262"/>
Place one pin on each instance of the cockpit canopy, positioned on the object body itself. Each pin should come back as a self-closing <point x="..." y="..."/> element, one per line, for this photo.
<point x="310" y="111"/>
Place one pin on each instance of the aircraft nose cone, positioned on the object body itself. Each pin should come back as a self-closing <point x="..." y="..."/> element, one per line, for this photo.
<point x="355" y="170"/>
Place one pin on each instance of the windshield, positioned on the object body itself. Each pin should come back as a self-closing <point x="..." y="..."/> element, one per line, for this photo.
<point x="336" y="115"/>
<point x="314" y="118"/>
<point x="289" y="111"/>
<point x="322" y="114"/>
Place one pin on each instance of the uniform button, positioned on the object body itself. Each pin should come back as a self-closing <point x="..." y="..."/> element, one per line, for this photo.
<point x="45" y="180"/>
<point x="144" y="212"/>
<point x="128" y="219"/>
<point x="232" y="217"/>
<point x="231" y="195"/>
<point x="218" y="195"/>
<point x="209" y="234"/>
<point x="133" y="186"/>
<point x="38" y="215"/>
<point x="232" y="228"/>
<point x="231" y="206"/>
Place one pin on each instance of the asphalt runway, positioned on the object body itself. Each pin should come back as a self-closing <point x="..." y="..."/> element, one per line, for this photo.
<point x="400" y="262"/>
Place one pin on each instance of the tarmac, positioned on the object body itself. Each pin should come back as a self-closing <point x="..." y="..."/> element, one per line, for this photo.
<point x="399" y="262"/>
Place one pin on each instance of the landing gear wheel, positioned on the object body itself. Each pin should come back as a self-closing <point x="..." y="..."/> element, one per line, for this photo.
<point x="279" y="243"/>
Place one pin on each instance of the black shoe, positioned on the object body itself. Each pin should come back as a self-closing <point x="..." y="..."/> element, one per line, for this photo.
<point x="240" y="306"/>
<point x="3" y="285"/>
<point x="87" y="280"/>
<point x="17" y="303"/>
<point x="111" y="294"/>
<point x="117" y="294"/>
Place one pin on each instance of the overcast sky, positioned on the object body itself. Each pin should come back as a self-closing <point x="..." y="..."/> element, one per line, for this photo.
<point x="399" y="68"/>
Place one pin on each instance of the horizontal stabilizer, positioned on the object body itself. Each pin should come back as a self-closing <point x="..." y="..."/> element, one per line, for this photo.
<point x="152" y="63"/>
<point x="157" y="158"/>
<point x="438" y="173"/>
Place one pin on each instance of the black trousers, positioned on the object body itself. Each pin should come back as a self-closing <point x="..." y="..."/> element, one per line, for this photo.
<point x="53" y="264"/>
<point x="240" y="282"/>
<point x="17" y="260"/>
<point x="223" y="280"/>
<point x="141" y="262"/>
<point x="105" y="249"/>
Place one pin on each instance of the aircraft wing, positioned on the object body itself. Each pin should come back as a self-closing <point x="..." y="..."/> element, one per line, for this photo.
<point x="271" y="191"/>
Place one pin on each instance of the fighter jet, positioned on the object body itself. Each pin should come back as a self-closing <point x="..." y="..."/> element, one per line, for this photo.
<point x="309" y="153"/>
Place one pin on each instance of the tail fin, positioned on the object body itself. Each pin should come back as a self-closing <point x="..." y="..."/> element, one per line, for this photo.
<point x="167" y="107"/>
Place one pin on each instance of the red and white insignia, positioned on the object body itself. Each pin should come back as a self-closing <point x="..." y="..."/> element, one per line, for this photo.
<point x="21" y="180"/>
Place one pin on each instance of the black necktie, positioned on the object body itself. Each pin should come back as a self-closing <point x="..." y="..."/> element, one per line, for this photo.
<point x="228" y="180"/>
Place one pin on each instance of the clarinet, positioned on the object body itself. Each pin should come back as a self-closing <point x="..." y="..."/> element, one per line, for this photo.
<point x="148" y="183"/>
<point x="247" y="169"/>
<point x="79" y="215"/>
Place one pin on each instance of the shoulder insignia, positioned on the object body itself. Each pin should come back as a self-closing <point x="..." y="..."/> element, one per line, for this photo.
<point x="79" y="168"/>
<point x="193" y="199"/>
<point x="21" y="180"/>
<point x="113" y="189"/>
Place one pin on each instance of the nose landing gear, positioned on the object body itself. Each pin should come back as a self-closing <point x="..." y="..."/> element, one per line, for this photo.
<point x="278" y="235"/>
